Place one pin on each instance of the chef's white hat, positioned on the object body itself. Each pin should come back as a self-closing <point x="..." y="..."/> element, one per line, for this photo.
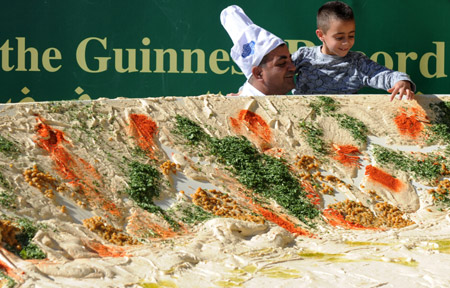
<point x="251" y="42"/>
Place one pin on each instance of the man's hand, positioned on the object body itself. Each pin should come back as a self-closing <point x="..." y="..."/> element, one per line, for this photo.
<point x="402" y="87"/>
<point x="234" y="94"/>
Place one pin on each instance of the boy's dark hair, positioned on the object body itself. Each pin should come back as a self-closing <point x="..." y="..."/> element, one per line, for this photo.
<point x="333" y="10"/>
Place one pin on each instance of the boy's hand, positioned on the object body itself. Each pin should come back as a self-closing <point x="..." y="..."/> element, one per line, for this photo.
<point x="402" y="87"/>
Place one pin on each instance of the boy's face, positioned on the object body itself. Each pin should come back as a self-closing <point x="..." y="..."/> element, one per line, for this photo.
<point x="339" y="38"/>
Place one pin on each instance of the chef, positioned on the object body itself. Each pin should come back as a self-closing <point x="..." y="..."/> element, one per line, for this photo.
<point x="263" y="57"/>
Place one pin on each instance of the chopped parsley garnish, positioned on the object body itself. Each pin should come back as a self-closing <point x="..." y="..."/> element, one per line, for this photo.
<point x="440" y="128"/>
<point x="193" y="214"/>
<point x="356" y="127"/>
<point x="26" y="233"/>
<point x="329" y="106"/>
<point x="144" y="186"/>
<point x="313" y="136"/>
<point x="8" y="147"/>
<point x="190" y="130"/>
<point x="7" y="196"/>
<point x="324" y="104"/>
<point x="428" y="168"/>
<point x="265" y="175"/>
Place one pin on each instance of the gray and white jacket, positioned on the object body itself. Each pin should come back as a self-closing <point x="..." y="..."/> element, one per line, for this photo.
<point x="318" y="73"/>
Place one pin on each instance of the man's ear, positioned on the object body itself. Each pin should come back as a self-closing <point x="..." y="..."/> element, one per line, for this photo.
<point x="319" y="34"/>
<point x="257" y="72"/>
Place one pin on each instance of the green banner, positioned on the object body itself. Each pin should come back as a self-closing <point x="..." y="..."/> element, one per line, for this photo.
<point x="87" y="49"/>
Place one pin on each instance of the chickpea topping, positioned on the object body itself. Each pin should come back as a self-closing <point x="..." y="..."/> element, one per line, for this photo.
<point x="169" y="167"/>
<point x="326" y="189"/>
<point x="43" y="181"/>
<point x="49" y="194"/>
<point x="309" y="166"/>
<point x="223" y="205"/>
<point x="374" y="196"/>
<point x="444" y="169"/>
<point x="387" y="215"/>
<point x="306" y="177"/>
<point x="9" y="231"/>
<point x="307" y="162"/>
<point x="116" y="236"/>
<point x="442" y="192"/>
<point x="81" y="204"/>
<point x="62" y="188"/>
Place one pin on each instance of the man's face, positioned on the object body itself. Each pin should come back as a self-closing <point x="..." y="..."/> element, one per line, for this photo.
<point x="278" y="72"/>
<point x="339" y="38"/>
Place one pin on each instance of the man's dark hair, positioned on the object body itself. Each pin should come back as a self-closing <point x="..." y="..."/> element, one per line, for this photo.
<point x="266" y="58"/>
<point x="336" y="10"/>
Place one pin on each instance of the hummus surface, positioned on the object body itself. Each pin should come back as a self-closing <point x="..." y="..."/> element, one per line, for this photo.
<point x="374" y="172"/>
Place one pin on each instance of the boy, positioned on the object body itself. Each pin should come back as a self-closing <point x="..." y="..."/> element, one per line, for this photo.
<point x="333" y="69"/>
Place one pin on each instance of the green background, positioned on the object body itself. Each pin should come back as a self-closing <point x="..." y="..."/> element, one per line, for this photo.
<point x="389" y="26"/>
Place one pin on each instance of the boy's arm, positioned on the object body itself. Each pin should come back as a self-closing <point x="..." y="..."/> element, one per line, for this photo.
<point x="299" y="55"/>
<point x="380" y="77"/>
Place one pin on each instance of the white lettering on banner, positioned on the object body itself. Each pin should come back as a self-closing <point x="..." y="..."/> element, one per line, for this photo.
<point x="81" y="56"/>
<point x="187" y="56"/>
<point x="31" y="53"/>
<point x="388" y="61"/>
<point x="439" y="57"/>
<point x="46" y="57"/>
<point x="94" y="56"/>
<point x="403" y="57"/>
<point x="145" y="56"/>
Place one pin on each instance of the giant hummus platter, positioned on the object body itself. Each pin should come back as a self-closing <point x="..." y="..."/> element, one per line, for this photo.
<point x="215" y="191"/>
